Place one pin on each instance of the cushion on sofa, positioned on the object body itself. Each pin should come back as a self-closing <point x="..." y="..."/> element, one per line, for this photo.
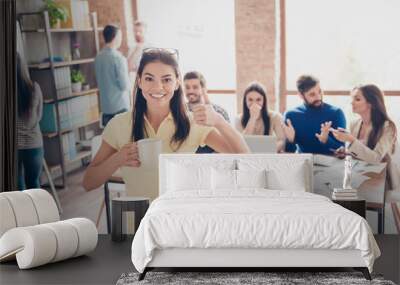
<point x="40" y="244"/>
<point x="7" y="220"/>
<point x="45" y="206"/>
<point x="30" y="230"/>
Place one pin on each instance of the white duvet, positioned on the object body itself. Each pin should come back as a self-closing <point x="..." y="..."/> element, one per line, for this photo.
<point x="250" y="219"/>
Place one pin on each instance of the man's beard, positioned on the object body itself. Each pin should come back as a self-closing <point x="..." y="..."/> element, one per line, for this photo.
<point x="315" y="104"/>
<point x="196" y="101"/>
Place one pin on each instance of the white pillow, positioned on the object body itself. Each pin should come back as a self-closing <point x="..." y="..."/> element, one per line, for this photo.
<point x="229" y="179"/>
<point x="251" y="178"/>
<point x="283" y="174"/>
<point x="188" y="177"/>
<point x="292" y="179"/>
<point x="223" y="179"/>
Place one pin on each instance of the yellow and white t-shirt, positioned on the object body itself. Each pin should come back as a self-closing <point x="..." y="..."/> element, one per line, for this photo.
<point x="139" y="182"/>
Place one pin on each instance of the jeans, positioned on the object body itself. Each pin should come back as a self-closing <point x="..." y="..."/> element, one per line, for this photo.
<point x="30" y="165"/>
<point x="107" y="117"/>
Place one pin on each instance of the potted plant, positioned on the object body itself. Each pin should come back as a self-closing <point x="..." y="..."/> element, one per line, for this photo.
<point x="77" y="79"/>
<point x="57" y="13"/>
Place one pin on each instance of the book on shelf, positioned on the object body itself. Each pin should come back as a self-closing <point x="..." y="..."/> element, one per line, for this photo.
<point x="62" y="78"/>
<point x="69" y="146"/>
<point x="340" y="190"/>
<point x="73" y="112"/>
<point x="345" y="198"/>
<point x="344" y="194"/>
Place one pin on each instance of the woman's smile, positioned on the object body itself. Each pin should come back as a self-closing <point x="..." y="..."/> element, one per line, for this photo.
<point x="157" y="95"/>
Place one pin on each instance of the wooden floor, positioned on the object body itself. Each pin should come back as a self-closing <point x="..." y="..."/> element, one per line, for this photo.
<point x="77" y="202"/>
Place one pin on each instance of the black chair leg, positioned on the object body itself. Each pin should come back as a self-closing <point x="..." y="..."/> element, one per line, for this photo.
<point x="107" y="202"/>
<point x="365" y="272"/>
<point x="379" y="221"/>
<point x="143" y="274"/>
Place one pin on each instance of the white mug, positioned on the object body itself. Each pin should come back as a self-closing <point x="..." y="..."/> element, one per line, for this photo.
<point x="149" y="150"/>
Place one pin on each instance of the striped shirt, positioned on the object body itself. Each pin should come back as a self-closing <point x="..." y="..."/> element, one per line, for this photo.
<point x="28" y="129"/>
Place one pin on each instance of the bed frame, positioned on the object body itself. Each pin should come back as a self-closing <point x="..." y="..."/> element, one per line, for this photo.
<point x="246" y="258"/>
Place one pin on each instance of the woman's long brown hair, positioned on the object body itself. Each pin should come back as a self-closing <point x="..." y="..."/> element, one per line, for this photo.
<point x="25" y="89"/>
<point x="374" y="96"/>
<point x="256" y="87"/>
<point x="176" y="105"/>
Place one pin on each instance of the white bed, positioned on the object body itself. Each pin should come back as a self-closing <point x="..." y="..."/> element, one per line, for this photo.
<point x="209" y="222"/>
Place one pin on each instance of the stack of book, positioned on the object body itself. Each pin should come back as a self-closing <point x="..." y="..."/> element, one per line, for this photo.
<point x="344" y="194"/>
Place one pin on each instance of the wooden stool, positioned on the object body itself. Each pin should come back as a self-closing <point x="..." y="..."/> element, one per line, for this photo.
<point x="139" y="205"/>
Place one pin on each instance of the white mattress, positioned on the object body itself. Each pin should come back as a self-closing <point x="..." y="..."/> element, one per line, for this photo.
<point x="252" y="218"/>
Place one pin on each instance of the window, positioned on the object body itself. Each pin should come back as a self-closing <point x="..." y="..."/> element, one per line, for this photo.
<point x="202" y="30"/>
<point x="344" y="43"/>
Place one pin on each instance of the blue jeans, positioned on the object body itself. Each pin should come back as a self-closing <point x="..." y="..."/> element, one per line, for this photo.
<point x="107" y="117"/>
<point x="30" y="165"/>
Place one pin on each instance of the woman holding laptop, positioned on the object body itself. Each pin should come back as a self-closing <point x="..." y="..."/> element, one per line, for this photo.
<point x="257" y="119"/>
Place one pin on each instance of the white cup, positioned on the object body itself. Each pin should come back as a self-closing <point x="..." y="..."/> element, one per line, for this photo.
<point x="149" y="150"/>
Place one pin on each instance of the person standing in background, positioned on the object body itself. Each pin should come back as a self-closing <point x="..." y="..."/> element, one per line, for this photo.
<point x="112" y="75"/>
<point x="135" y="53"/>
<point x="29" y="136"/>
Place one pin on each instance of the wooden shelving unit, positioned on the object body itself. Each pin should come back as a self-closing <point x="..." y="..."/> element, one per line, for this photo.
<point x="49" y="72"/>
<point x="46" y="65"/>
<point x="54" y="134"/>
<point x="74" y="94"/>
<point x="80" y="155"/>
<point x="61" y="30"/>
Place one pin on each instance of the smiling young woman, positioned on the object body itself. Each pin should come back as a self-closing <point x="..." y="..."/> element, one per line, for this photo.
<point x="159" y="112"/>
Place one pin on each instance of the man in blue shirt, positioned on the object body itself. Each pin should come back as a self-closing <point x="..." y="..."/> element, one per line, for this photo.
<point x="307" y="126"/>
<point x="112" y="75"/>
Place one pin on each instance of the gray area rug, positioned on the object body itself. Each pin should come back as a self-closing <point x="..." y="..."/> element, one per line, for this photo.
<point x="228" y="278"/>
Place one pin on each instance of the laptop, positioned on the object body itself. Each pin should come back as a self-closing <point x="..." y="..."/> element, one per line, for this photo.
<point x="261" y="144"/>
